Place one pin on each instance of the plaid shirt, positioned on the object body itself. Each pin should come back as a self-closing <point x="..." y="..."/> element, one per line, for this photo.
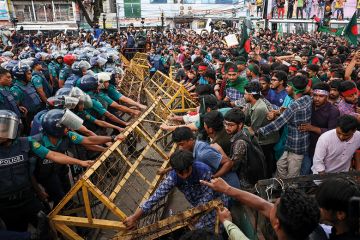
<point x="233" y="94"/>
<point x="298" y="112"/>
<point x="196" y="193"/>
<point x="210" y="65"/>
<point x="347" y="109"/>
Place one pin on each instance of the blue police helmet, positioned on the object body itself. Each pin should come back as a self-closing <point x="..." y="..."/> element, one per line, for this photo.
<point x="10" y="65"/>
<point x="51" y="123"/>
<point x="19" y="71"/>
<point x="63" y="92"/>
<point x="24" y="55"/>
<point x="88" y="83"/>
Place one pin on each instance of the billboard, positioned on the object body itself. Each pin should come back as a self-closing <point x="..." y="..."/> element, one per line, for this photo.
<point x="4" y="13"/>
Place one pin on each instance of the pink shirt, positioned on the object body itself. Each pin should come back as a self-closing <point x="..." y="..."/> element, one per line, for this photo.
<point x="332" y="155"/>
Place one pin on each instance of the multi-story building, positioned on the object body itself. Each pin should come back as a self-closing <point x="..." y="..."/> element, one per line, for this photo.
<point x="43" y="14"/>
<point x="190" y="13"/>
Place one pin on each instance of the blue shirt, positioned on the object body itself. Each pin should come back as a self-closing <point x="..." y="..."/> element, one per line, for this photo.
<point x="196" y="193"/>
<point x="204" y="153"/>
<point x="276" y="98"/>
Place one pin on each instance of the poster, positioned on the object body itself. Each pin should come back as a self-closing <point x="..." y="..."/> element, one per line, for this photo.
<point x="4" y="14"/>
<point x="231" y="40"/>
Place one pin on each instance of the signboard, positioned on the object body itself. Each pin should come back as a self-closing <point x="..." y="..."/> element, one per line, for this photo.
<point x="231" y="40"/>
<point x="4" y="13"/>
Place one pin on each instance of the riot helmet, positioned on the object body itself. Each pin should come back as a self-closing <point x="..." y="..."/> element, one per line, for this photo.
<point x="56" y="121"/>
<point x="9" y="124"/>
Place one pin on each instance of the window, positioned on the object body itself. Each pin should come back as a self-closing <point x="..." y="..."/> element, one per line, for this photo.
<point x="158" y="1"/>
<point x="45" y="11"/>
<point x="23" y="11"/>
<point x="132" y="8"/>
<point x="219" y="1"/>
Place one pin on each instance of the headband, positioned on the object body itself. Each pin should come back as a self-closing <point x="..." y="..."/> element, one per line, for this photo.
<point x="232" y="69"/>
<point x="321" y="92"/>
<point x="253" y="69"/>
<point x="349" y="92"/>
<point x="292" y="68"/>
<point x="297" y="90"/>
<point x="253" y="92"/>
<point x="202" y="68"/>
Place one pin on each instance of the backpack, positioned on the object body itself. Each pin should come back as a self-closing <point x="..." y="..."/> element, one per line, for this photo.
<point x="255" y="158"/>
<point x="158" y="64"/>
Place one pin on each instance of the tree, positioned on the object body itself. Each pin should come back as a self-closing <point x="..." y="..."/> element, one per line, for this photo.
<point x="96" y="6"/>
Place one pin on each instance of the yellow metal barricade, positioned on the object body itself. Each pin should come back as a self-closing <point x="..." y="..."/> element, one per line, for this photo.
<point x="176" y="97"/>
<point x="121" y="178"/>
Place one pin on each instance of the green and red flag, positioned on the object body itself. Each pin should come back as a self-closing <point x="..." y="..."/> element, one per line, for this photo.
<point x="351" y="30"/>
<point x="334" y="31"/>
<point x="244" y="44"/>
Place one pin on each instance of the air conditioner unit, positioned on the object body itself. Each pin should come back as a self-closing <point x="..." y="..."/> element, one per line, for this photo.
<point x="190" y="13"/>
<point x="189" y="8"/>
<point x="181" y="12"/>
<point x="181" y="7"/>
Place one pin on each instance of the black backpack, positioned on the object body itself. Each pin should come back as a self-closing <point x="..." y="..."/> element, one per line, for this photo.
<point x="255" y="158"/>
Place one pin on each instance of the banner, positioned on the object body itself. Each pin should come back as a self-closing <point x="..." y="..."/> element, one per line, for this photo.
<point x="4" y="13"/>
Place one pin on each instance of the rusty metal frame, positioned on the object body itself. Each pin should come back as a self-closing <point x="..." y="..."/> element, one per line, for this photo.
<point x="172" y="223"/>
<point x="176" y="97"/>
<point x="86" y="188"/>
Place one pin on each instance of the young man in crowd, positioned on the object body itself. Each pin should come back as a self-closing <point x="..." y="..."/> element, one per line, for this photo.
<point x="297" y="143"/>
<point x="323" y="118"/>
<point x="256" y="117"/>
<point x="186" y="176"/>
<point x="277" y="92"/>
<point x="335" y="148"/>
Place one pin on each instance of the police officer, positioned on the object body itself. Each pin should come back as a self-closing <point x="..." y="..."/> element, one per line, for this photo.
<point x="97" y="64"/>
<point x="103" y="80"/>
<point x="56" y="136"/>
<point x="115" y="95"/>
<point x="69" y="59"/>
<point x="42" y="85"/>
<point x="82" y="107"/>
<point x="54" y="69"/>
<point x="18" y="204"/>
<point x="24" y="92"/>
<point x="89" y="85"/>
<point x="7" y="100"/>
<point x="79" y="69"/>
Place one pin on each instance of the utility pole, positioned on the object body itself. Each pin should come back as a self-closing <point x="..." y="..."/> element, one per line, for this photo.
<point x="117" y="15"/>
<point x="162" y="20"/>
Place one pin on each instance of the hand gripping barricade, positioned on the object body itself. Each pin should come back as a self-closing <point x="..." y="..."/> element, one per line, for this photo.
<point x="176" y="97"/>
<point x="172" y="223"/>
<point x="140" y="65"/>
<point x="122" y="177"/>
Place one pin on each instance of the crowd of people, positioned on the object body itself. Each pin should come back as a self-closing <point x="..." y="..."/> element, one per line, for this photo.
<point x="306" y="9"/>
<point x="286" y="108"/>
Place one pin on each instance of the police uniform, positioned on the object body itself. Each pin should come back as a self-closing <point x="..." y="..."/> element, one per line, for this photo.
<point x="113" y="93"/>
<point x="7" y="101"/>
<point x="52" y="176"/>
<point x="54" y="70"/>
<point x="65" y="72"/>
<point x="25" y="95"/>
<point x="39" y="81"/>
<point x="71" y="81"/>
<point x="18" y="204"/>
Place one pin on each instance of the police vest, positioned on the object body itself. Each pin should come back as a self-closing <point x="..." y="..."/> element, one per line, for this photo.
<point x="70" y="81"/>
<point x="31" y="99"/>
<point x="46" y="85"/>
<point x="14" y="167"/>
<point x="9" y="102"/>
<point x="36" y="123"/>
<point x="45" y="167"/>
